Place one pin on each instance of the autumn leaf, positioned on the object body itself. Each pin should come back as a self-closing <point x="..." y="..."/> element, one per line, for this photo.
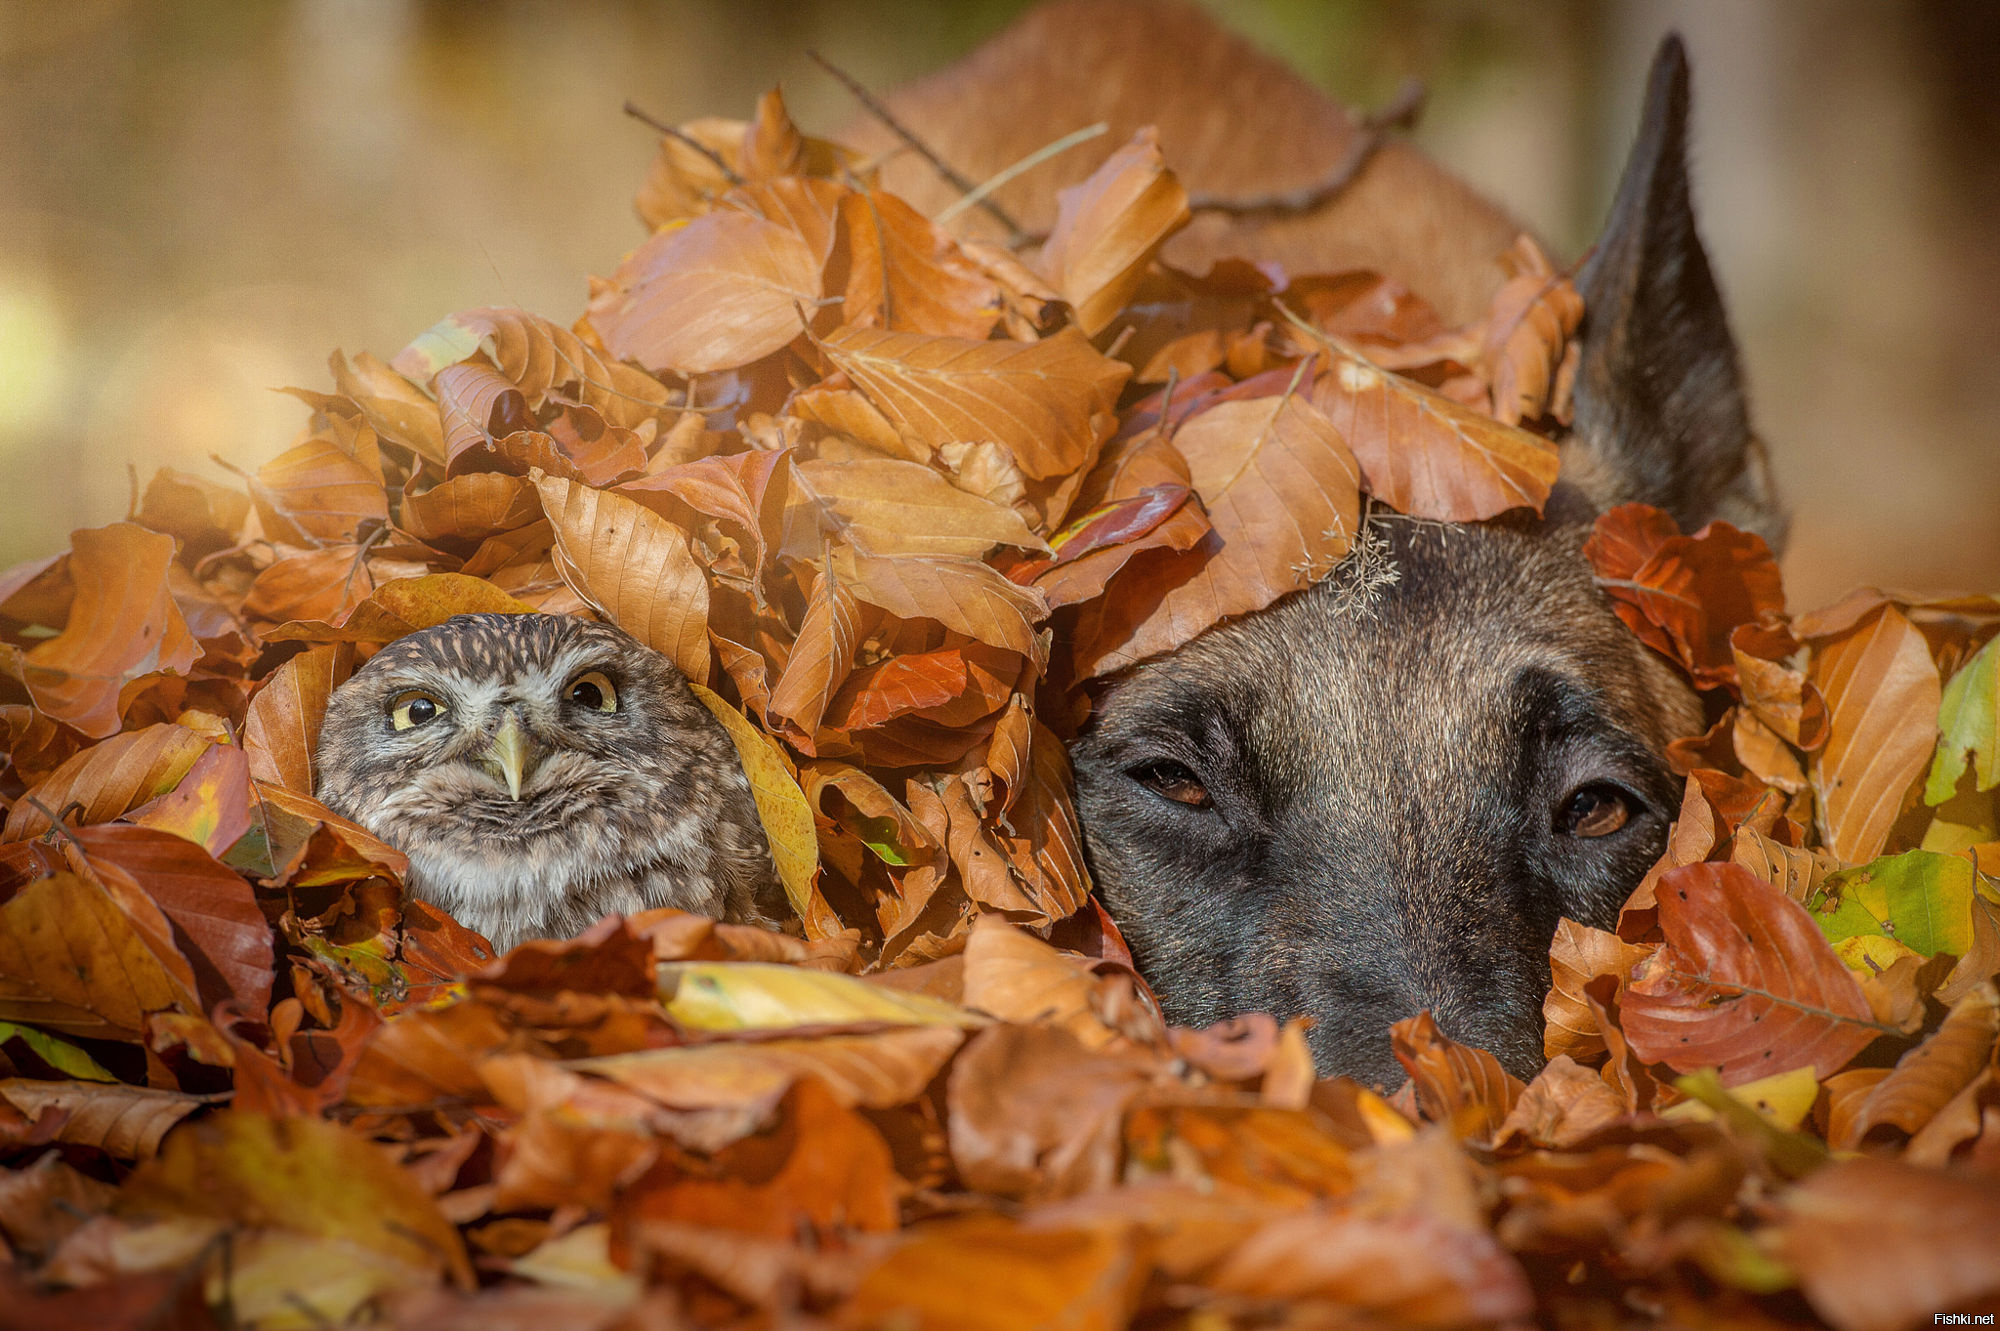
<point x="1282" y="494"/>
<point x="123" y="626"/>
<point x="1426" y="455"/>
<point x="1926" y="1079"/>
<point x="281" y="730"/>
<point x="1109" y="228"/>
<point x="1920" y="898"/>
<point x="1465" y="1089"/>
<point x="885" y="506"/>
<point x="71" y="961"/>
<point x="1685" y="596"/>
<point x="1529" y="327"/>
<point x="907" y="275"/>
<point x="723" y="290"/>
<point x="963" y="595"/>
<point x="634" y="568"/>
<point x="108" y="780"/>
<point x="1744" y="984"/>
<point x="539" y="358"/>
<point x="1048" y="403"/>
<point x="318" y="492"/>
<point x="1578" y="955"/>
<point x="1878" y="1245"/>
<point x="783" y="811"/>
<point x="405" y="606"/>
<point x="301" y="1174"/>
<point x="125" y="1122"/>
<point x="1882" y="696"/>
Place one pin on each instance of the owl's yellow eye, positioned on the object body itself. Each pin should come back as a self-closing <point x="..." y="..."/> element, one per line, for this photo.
<point x="591" y="689"/>
<point x="414" y="709"/>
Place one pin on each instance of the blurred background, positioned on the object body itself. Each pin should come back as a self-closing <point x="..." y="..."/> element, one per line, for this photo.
<point x="200" y="200"/>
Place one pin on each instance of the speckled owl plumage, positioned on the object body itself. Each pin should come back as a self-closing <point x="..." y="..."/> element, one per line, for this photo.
<point x="642" y="806"/>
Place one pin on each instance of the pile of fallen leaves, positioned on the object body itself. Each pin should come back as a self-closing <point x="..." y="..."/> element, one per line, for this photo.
<point x="896" y="500"/>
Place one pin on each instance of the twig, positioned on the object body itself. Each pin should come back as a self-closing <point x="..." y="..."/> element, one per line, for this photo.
<point x="680" y="136"/>
<point x="1028" y="163"/>
<point x="917" y="145"/>
<point x="1372" y="131"/>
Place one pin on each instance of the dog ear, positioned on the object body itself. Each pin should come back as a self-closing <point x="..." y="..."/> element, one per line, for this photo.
<point x="1660" y="413"/>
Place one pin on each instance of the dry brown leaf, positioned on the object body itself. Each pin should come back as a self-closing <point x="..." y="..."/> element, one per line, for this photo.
<point x="1877" y="1245"/>
<point x="1049" y="403"/>
<point x="126" y="1122"/>
<point x="1426" y="455"/>
<point x="108" y="780"/>
<point x="1109" y="228"/>
<point x="723" y="290"/>
<point x="907" y="275"/>
<point x="1882" y="695"/>
<point x="1283" y="496"/>
<point x="1578" y="955"/>
<point x="633" y="567"/>
<point x="124" y="626"/>
<point x="889" y="507"/>
<point x="963" y="595"/>
<point x="281" y="729"/>
<point x="1746" y="984"/>
<point x="1925" y="1079"/>
<point x="72" y="961"/>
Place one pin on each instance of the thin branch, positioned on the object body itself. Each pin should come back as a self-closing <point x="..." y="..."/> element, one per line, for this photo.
<point x="1371" y="133"/>
<point x="917" y="145"/>
<point x="1028" y="163"/>
<point x="680" y="136"/>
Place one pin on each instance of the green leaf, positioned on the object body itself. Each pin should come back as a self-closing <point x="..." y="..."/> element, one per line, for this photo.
<point x="58" y="1053"/>
<point x="1969" y="725"/>
<point x="1921" y="899"/>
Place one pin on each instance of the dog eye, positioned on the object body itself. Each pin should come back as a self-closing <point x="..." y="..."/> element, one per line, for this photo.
<point x="414" y="709"/>
<point x="1176" y="781"/>
<point x="593" y="690"/>
<point x="1595" y="810"/>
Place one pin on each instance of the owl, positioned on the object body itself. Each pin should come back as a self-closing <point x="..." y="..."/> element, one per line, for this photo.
<point x="540" y="771"/>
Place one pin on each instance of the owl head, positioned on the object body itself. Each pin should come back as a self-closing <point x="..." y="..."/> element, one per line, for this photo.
<point x="541" y="770"/>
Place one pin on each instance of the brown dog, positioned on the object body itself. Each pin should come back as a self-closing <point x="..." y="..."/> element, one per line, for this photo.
<point x="1379" y="795"/>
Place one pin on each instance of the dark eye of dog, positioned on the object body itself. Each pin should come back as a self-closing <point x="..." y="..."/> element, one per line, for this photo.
<point x="1176" y="781"/>
<point x="1595" y="810"/>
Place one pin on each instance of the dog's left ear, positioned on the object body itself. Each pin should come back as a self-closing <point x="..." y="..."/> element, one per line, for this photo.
<point x="1660" y="413"/>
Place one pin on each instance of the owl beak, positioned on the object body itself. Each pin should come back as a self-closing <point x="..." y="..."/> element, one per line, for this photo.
<point x="509" y="754"/>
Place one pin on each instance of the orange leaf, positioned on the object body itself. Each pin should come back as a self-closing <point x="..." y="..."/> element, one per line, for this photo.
<point x="1282" y="493"/>
<point x="906" y="275"/>
<point x="281" y="729"/>
<point x="1882" y="693"/>
<point x="1426" y="455"/>
<point x="108" y="779"/>
<point x="963" y="595"/>
<point x="1745" y="984"/>
<point x="317" y="492"/>
<point x="1049" y="403"/>
<point x="724" y="290"/>
<point x="1685" y="595"/>
<point x="634" y="567"/>
<point x="1109" y="228"/>
<point x="1878" y="1246"/>
<point x="72" y="961"/>
<point x="1464" y="1088"/>
<point x="123" y="626"/>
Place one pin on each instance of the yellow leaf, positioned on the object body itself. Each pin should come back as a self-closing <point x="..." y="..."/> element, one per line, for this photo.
<point x="752" y="996"/>
<point x="781" y="805"/>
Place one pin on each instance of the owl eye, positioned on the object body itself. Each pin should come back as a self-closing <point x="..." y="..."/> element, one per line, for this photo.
<point x="594" y="691"/>
<point x="414" y="709"/>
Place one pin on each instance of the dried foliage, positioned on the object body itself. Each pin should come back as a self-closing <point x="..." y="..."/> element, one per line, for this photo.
<point x="895" y="500"/>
